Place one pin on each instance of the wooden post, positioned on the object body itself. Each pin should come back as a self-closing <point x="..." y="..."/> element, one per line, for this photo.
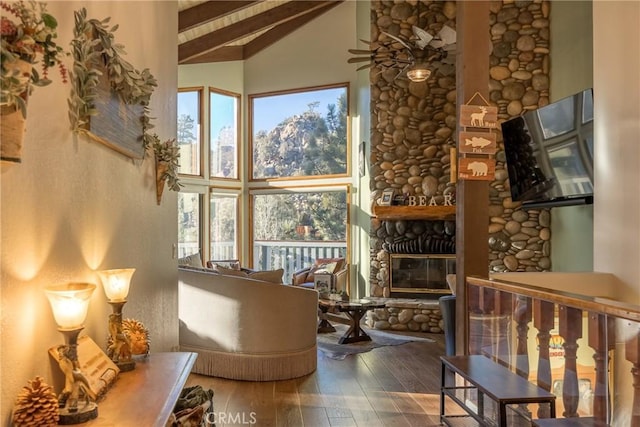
<point x="472" y="197"/>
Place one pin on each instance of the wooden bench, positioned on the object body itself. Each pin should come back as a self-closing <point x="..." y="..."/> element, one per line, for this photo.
<point x="488" y="379"/>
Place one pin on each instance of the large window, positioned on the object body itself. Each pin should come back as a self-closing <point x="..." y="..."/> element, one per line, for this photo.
<point x="189" y="224"/>
<point x="223" y="220"/>
<point x="224" y="114"/>
<point x="189" y="131"/>
<point x="300" y="133"/>
<point x="291" y="229"/>
<point x="295" y="172"/>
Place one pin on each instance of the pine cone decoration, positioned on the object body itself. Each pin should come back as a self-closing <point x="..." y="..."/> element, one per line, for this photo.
<point x="36" y="406"/>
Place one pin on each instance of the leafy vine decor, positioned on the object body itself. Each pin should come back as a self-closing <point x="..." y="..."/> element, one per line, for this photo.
<point x="96" y="54"/>
<point x="167" y="156"/>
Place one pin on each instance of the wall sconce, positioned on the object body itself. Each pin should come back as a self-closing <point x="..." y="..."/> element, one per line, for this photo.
<point x="116" y="287"/>
<point x="70" y="303"/>
<point x="418" y="72"/>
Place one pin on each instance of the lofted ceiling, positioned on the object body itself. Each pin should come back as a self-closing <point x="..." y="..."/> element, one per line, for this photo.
<point x="215" y="31"/>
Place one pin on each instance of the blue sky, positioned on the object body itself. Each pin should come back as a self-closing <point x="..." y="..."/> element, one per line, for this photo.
<point x="272" y="110"/>
<point x="269" y="110"/>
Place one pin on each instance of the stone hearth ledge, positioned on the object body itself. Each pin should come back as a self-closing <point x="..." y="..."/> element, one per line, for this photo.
<point x="403" y="314"/>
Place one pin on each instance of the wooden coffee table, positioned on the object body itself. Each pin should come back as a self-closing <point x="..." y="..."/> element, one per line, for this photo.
<point x="353" y="310"/>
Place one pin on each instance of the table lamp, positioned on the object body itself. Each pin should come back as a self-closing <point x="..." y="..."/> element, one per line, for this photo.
<point x="70" y="303"/>
<point x="116" y="287"/>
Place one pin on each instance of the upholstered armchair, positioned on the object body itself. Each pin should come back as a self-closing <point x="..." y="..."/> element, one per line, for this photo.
<point x="339" y="274"/>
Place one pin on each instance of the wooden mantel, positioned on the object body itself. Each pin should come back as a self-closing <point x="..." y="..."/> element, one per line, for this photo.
<point x="396" y="213"/>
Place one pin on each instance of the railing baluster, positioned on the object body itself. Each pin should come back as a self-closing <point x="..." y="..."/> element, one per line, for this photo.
<point x="632" y="354"/>
<point x="522" y="314"/>
<point x="543" y="321"/>
<point x="601" y="339"/>
<point x="570" y="326"/>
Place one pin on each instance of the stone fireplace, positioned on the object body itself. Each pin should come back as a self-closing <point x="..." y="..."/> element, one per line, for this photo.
<point x="414" y="127"/>
<point x="420" y="275"/>
<point x="412" y="249"/>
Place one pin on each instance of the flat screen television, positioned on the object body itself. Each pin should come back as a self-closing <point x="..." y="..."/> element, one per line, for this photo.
<point x="549" y="153"/>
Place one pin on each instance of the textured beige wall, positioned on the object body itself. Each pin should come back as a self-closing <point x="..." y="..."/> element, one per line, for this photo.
<point x="617" y="156"/>
<point x="571" y="71"/>
<point x="73" y="207"/>
<point x="617" y="132"/>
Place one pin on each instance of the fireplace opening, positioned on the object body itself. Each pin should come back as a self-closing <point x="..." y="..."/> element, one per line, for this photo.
<point x="420" y="275"/>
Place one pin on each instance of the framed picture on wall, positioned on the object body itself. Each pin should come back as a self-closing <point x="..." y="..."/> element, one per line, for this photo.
<point x="387" y="197"/>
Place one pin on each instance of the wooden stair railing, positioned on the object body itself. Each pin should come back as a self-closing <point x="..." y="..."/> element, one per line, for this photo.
<point x="540" y="306"/>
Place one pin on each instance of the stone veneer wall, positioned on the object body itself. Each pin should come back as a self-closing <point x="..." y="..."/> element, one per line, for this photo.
<point x="414" y="127"/>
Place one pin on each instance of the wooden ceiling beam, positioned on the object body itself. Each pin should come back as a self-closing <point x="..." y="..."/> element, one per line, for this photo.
<point x="222" y="54"/>
<point x="209" y="11"/>
<point x="252" y="25"/>
<point x="278" y="32"/>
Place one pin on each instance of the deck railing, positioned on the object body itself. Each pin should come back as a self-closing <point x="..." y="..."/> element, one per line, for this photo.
<point x="273" y="254"/>
<point x="584" y="349"/>
<point x="294" y="255"/>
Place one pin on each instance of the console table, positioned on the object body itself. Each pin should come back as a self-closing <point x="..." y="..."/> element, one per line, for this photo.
<point x="147" y="395"/>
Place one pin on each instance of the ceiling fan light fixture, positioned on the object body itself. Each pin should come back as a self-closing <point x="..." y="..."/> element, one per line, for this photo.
<point x="418" y="73"/>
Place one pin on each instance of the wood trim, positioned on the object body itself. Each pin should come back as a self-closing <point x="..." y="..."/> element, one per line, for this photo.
<point x="244" y="28"/>
<point x="472" y="197"/>
<point x="597" y="305"/>
<point x="209" y="11"/>
<point x="397" y="213"/>
<point x="278" y="32"/>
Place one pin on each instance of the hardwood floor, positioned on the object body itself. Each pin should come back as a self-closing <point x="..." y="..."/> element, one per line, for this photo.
<point x="389" y="386"/>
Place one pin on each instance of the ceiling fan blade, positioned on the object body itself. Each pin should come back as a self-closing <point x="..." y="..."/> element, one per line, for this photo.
<point x="360" y="52"/>
<point x="364" y="67"/>
<point x="423" y="37"/>
<point x="450" y="47"/>
<point x="436" y="43"/>
<point x="447" y="35"/>
<point x="360" y="59"/>
<point x="398" y="39"/>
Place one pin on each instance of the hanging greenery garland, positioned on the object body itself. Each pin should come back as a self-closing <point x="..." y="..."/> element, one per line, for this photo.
<point x="95" y="52"/>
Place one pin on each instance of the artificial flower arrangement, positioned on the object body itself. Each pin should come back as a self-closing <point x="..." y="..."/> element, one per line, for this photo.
<point x="167" y="156"/>
<point x="28" y="32"/>
<point x="168" y="153"/>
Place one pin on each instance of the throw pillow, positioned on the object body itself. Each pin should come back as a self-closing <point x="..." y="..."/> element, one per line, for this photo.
<point x="232" y="264"/>
<point x="193" y="260"/>
<point x="188" y="267"/>
<point x="331" y="267"/>
<point x="339" y="262"/>
<point x="273" y="276"/>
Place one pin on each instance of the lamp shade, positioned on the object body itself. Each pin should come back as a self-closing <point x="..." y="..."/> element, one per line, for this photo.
<point x="116" y="283"/>
<point x="70" y="303"/>
<point x="418" y="73"/>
